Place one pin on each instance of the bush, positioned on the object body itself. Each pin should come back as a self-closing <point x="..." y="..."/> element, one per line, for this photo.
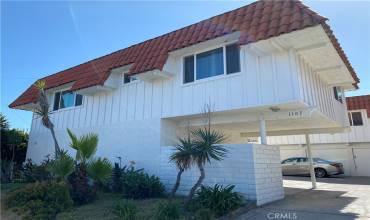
<point x="167" y="211"/>
<point x="126" y="210"/>
<point x="136" y="184"/>
<point x="40" y="200"/>
<point x="33" y="172"/>
<point x="221" y="200"/>
<point x="81" y="190"/>
<point x="204" y="214"/>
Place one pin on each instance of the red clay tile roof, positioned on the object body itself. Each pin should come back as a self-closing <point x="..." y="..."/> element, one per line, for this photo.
<point x="359" y="102"/>
<point x="257" y="21"/>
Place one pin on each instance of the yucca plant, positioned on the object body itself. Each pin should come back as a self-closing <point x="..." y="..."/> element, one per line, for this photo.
<point x="85" y="146"/>
<point x="99" y="170"/>
<point x="62" y="166"/>
<point x="182" y="156"/>
<point x="207" y="147"/>
<point x="42" y="110"/>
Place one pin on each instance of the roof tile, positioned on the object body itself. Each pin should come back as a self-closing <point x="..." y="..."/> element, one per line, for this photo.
<point x="257" y="21"/>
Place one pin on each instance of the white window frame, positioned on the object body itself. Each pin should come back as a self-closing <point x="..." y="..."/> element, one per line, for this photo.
<point x="223" y="46"/>
<point x="66" y="108"/>
<point x="351" y="119"/>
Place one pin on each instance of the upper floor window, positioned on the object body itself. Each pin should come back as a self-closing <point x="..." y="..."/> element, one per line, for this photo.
<point x="355" y="118"/>
<point x="65" y="99"/>
<point x="338" y="94"/>
<point x="212" y="63"/>
<point x="127" y="78"/>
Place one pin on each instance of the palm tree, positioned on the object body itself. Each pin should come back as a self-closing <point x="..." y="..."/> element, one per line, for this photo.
<point x="43" y="112"/>
<point x="207" y="146"/>
<point x="183" y="159"/>
<point x="99" y="170"/>
<point x="85" y="146"/>
<point x="62" y="166"/>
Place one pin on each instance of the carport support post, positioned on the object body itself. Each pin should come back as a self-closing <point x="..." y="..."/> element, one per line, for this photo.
<point x="263" y="130"/>
<point x="312" y="170"/>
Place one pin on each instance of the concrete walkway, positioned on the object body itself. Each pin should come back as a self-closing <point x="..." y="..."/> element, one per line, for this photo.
<point x="335" y="198"/>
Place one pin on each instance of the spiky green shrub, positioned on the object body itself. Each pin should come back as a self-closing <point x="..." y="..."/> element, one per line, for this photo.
<point x="167" y="211"/>
<point x="40" y="200"/>
<point x="126" y="210"/>
<point x="220" y="199"/>
<point x="62" y="166"/>
<point x="136" y="184"/>
<point x="99" y="170"/>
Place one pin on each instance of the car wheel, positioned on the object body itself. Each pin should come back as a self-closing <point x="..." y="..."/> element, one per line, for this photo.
<point x="320" y="173"/>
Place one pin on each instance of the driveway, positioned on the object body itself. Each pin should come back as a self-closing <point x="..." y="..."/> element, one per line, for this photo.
<point x="337" y="198"/>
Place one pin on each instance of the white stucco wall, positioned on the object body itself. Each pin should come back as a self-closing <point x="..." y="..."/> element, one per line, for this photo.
<point x="254" y="169"/>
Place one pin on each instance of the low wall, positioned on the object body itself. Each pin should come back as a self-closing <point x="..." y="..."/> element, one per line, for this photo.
<point x="254" y="169"/>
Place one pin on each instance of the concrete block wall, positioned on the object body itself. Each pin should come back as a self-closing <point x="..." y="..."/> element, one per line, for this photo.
<point x="254" y="170"/>
<point x="268" y="177"/>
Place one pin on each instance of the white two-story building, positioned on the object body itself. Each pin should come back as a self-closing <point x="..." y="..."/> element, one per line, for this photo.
<point x="268" y="68"/>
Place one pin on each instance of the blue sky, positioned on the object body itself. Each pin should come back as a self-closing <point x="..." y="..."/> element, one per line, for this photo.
<point x="41" y="38"/>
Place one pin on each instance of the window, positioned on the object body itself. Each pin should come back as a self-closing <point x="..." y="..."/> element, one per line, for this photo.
<point x="189" y="69"/>
<point x="66" y="99"/>
<point x="355" y="118"/>
<point x="232" y="59"/>
<point x="302" y="160"/>
<point x="338" y="94"/>
<point x="128" y="79"/>
<point x="290" y="160"/>
<point x="212" y="63"/>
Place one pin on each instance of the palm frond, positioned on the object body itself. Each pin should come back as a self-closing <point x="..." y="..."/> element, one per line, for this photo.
<point x="183" y="153"/>
<point x="208" y="145"/>
<point x="85" y="146"/>
<point x="62" y="166"/>
<point x="99" y="169"/>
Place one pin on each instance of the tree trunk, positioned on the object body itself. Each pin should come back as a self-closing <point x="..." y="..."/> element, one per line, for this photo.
<point x="57" y="149"/>
<point x="197" y="184"/>
<point x="177" y="184"/>
<point x="11" y="165"/>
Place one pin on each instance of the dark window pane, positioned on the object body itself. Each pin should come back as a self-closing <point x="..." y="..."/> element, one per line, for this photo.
<point x="56" y="101"/>
<point x="78" y="100"/>
<point x="338" y="94"/>
<point x="210" y="63"/>
<point x="335" y="93"/>
<point x="189" y="69"/>
<point x="126" y="78"/>
<point x="67" y="99"/>
<point x="356" y="119"/>
<point x="232" y="59"/>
